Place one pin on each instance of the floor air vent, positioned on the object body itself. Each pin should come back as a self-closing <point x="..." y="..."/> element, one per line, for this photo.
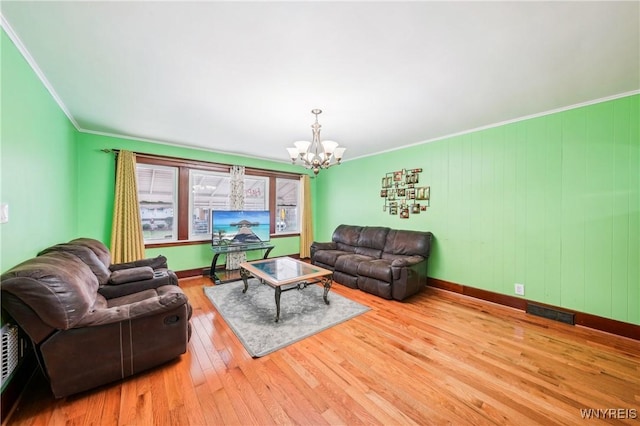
<point x="554" y="314"/>
<point x="10" y="350"/>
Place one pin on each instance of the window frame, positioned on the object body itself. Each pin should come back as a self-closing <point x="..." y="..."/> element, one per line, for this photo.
<point x="183" y="219"/>
<point x="298" y="209"/>
<point x="264" y="200"/>
<point x="174" y="233"/>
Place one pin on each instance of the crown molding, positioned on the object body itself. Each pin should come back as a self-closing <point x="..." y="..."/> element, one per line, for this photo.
<point x="34" y="66"/>
<point x="511" y="121"/>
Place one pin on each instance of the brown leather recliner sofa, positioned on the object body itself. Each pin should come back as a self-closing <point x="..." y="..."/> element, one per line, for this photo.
<point x="386" y="262"/>
<point x="84" y="338"/>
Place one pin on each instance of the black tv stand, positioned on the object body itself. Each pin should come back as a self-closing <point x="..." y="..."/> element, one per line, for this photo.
<point x="219" y="249"/>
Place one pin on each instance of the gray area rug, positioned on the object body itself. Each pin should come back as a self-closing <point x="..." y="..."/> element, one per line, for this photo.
<point x="303" y="313"/>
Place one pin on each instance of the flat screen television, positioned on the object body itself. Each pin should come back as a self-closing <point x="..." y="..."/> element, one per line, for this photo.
<point x="240" y="226"/>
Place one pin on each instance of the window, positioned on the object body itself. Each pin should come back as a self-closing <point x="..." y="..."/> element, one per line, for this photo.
<point x="287" y="206"/>
<point x="210" y="191"/>
<point x="177" y="196"/>
<point x="158" y="202"/>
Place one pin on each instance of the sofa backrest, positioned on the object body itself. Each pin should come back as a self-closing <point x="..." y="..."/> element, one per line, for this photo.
<point x="346" y="237"/>
<point x="97" y="247"/>
<point x="372" y="241"/>
<point x="85" y="254"/>
<point x="407" y="243"/>
<point x="57" y="286"/>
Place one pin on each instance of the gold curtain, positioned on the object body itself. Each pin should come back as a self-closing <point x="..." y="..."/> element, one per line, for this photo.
<point x="127" y="242"/>
<point x="306" y="228"/>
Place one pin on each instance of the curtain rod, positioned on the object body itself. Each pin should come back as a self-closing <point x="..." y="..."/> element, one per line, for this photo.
<point x="187" y="161"/>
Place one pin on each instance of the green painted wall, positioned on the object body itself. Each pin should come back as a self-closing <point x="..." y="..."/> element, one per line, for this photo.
<point x="38" y="153"/>
<point x="96" y="177"/>
<point x="551" y="202"/>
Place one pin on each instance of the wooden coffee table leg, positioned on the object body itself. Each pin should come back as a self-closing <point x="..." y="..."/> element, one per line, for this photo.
<point x="245" y="275"/>
<point x="278" y="292"/>
<point x="326" y="282"/>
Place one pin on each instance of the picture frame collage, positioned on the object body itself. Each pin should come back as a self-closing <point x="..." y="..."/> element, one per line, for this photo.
<point x="402" y="195"/>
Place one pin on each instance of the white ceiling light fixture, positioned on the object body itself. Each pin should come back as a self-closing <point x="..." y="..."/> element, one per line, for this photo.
<point x="312" y="155"/>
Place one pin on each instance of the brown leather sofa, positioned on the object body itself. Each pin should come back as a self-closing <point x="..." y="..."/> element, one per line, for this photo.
<point x="84" y="339"/>
<point x="386" y="262"/>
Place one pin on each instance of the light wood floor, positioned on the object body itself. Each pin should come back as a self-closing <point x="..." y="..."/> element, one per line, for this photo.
<point x="439" y="358"/>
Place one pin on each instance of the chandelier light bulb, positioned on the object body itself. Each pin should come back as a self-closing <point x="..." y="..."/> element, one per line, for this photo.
<point x="293" y="153"/>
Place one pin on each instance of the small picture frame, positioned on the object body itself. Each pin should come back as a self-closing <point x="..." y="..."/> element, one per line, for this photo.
<point x="422" y="193"/>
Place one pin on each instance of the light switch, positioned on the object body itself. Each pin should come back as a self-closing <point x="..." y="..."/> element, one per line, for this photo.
<point x="4" y="213"/>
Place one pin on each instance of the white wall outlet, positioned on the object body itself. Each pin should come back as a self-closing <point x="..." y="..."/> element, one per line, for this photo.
<point x="4" y="213"/>
<point x="519" y="289"/>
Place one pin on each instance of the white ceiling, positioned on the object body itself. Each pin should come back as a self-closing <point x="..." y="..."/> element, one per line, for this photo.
<point x="242" y="77"/>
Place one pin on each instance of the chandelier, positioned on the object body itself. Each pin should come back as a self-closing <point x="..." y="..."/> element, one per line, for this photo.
<point x="316" y="155"/>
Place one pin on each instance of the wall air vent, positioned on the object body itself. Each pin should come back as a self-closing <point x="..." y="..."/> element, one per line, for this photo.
<point x="554" y="314"/>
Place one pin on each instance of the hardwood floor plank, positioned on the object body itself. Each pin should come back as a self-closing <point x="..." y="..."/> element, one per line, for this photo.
<point x="437" y="358"/>
<point x="268" y="398"/>
<point x="328" y="389"/>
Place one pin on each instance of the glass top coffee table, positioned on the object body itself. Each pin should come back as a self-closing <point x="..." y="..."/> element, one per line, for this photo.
<point x="284" y="274"/>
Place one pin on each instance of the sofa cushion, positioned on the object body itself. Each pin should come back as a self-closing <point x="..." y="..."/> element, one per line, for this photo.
<point x="379" y="269"/>
<point x="59" y="286"/>
<point x="97" y="247"/>
<point x="329" y="257"/>
<point x="85" y="254"/>
<point x="373" y="237"/>
<point x="346" y="237"/>
<point x="369" y="252"/>
<point x="349" y="263"/>
<point x="401" y="242"/>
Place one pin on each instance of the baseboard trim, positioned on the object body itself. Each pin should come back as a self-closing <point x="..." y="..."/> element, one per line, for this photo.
<point x="187" y="273"/>
<point x="608" y="325"/>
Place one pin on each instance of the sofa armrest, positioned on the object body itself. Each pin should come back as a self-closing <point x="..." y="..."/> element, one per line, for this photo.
<point x="323" y="246"/>
<point x="157" y="262"/>
<point x="167" y="299"/>
<point x="160" y="278"/>
<point x="407" y="261"/>
<point x="315" y="246"/>
<point x="123" y="276"/>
